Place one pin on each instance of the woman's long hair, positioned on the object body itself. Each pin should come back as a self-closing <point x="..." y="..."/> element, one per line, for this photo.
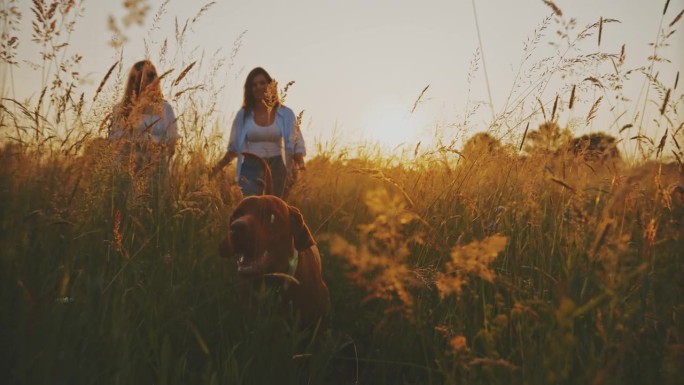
<point x="249" y="101"/>
<point x="143" y="90"/>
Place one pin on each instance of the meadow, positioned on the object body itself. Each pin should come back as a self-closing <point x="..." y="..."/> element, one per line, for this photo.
<point x="528" y="254"/>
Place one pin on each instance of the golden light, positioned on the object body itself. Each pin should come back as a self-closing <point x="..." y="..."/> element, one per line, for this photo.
<point x="391" y="124"/>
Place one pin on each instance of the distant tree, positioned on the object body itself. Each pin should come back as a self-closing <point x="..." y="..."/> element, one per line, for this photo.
<point x="481" y="145"/>
<point x="595" y="147"/>
<point x="546" y="140"/>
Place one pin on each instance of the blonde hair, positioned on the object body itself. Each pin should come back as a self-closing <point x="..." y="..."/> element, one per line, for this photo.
<point x="143" y="89"/>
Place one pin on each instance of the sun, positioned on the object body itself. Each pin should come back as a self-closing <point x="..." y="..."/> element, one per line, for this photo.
<point x="391" y="125"/>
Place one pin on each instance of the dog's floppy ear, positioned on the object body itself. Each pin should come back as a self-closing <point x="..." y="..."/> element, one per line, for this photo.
<point x="300" y="232"/>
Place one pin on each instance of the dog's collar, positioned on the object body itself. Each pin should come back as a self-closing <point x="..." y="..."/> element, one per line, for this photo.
<point x="294" y="261"/>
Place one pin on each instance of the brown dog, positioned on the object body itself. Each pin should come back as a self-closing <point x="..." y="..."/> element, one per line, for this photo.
<point x="269" y="239"/>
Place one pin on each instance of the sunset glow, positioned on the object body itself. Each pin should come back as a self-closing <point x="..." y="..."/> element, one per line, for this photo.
<point x="254" y="192"/>
<point x="391" y="124"/>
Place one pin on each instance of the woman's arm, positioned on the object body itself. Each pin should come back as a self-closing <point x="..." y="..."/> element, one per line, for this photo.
<point x="299" y="144"/>
<point x="227" y="158"/>
<point x="299" y="161"/>
<point x="232" y="152"/>
<point x="235" y="131"/>
<point x="297" y="147"/>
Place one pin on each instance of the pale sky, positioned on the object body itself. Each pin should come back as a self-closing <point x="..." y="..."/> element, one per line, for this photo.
<point x="359" y="66"/>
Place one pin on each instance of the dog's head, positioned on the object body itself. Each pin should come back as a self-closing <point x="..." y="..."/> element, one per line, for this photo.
<point x="264" y="232"/>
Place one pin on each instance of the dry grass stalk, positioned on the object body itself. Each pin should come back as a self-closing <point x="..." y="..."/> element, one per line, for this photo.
<point x="676" y="19"/>
<point x="679" y="160"/>
<point x="563" y="183"/>
<point x="522" y="142"/>
<point x="9" y="42"/>
<point x="601" y="236"/>
<point x="205" y="8"/>
<point x="183" y="91"/>
<point x="650" y="233"/>
<point x="572" y="97"/>
<point x="592" y="111"/>
<point x="136" y="12"/>
<point x="595" y="81"/>
<point x="183" y="73"/>
<point x="663" y="108"/>
<point x="271" y="98"/>
<point x="661" y="145"/>
<point x="556" y="10"/>
<point x="165" y="74"/>
<point x="420" y="96"/>
<point x="676" y="143"/>
<point x="500" y="363"/>
<point x="118" y="237"/>
<point x="541" y="106"/>
<point x="626" y="126"/>
<point x="104" y="80"/>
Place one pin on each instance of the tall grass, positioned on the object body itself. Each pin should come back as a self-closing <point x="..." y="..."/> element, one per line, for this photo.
<point x="528" y="257"/>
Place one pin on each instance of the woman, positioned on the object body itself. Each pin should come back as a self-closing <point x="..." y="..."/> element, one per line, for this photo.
<point x="144" y="124"/>
<point x="265" y="128"/>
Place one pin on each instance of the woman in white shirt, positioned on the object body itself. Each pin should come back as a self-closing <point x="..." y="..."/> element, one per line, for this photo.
<point x="265" y="128"/>
<point x="144" y="124"/>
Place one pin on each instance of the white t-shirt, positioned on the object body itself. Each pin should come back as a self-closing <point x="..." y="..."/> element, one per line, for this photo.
<point x="162" y="128"/>
<point x="264" y="141"/>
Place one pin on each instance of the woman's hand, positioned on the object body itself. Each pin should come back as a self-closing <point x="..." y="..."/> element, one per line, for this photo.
<point x="299" y="161"/>
<point x="171" y="149"/>
<point x="222" y="163"/>
<point x="214" y="170"/>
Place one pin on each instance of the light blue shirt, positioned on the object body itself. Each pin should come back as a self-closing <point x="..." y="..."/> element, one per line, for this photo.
<point x="285" y="119"/>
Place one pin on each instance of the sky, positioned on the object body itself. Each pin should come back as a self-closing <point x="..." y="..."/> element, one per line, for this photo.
<point x="360" y="66"/>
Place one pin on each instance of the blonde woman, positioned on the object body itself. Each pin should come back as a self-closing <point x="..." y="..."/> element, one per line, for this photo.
<point x="144" y="124"/>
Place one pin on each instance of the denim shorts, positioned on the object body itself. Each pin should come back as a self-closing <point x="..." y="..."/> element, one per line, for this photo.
<point x="251" y="176"/>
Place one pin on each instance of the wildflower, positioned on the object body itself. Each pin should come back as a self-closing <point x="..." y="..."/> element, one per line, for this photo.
<point x="650" y="233"/>
<point x="458" y="343"/>
<point x="472" y="260"/>
<point x="118" y="238"/>
<point x="380" y="263"/>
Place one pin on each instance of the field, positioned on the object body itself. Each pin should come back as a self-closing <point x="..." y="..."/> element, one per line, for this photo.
<point x="540" y="258"/>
